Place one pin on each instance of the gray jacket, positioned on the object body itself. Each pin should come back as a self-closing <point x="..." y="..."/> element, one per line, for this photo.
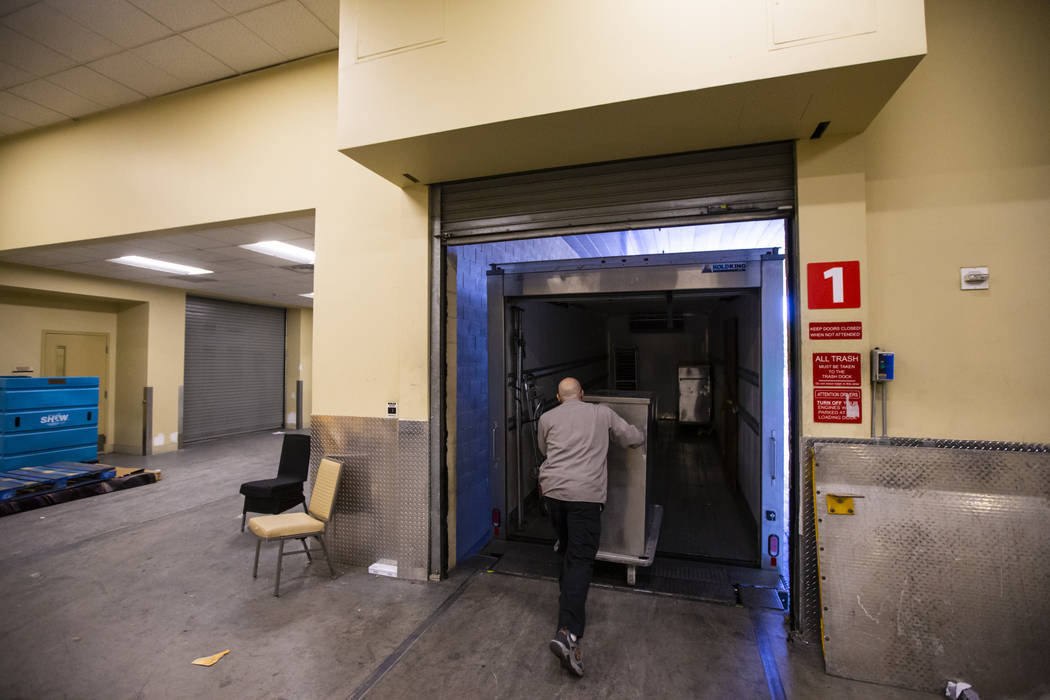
<point x="574" y="437"/>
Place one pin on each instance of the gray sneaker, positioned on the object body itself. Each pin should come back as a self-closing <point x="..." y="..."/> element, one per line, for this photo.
<point x="567" y="648"/>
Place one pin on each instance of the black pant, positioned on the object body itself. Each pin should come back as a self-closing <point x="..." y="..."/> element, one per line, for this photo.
<point x="578" y="526"/>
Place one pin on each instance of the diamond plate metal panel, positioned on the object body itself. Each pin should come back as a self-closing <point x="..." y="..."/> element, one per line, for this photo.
<point x="381" y="507"/>
<point x="413" y="499"/>
<point x="807" y="589"/>
<point x="941" y="572"/>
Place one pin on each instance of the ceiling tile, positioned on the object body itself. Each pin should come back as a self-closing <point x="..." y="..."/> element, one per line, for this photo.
<point x="22" y="52"/>
<point x="9" y="75"/>
<point x="229" y="236"/>
<point x="14" y="106"/>
<point x="291" y="29"/>
<point x="179" y="57"/>
<point x="302" y="223"/>
<point x="10" y="125"/>
<point x="302" y="242"/>
<point x="327" y="11"/>
<point x="95" y="87"/>
<point x="130" y="70"/>
<point x="269" y="231"/>
<point x="182" y="14"/>
<point x="237" y="6"/>
<point x="57" y="31"/>
<point x="117" y="20"/>
<point x="157" y="245"/>
<point x="9" y="6"/>
<point x="106" y="251"/>
<point x="59" y="99"/>
<point x="194" y="241"/>
<point x="235" y="45"/>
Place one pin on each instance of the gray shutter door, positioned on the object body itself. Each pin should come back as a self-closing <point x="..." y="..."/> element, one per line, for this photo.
<point x="234" y="369"/>
<point x="745" y="183"/>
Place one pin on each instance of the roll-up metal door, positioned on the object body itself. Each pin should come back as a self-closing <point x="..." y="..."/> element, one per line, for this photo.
<point x="730" y="184"/>
<point x="234" y="372"/>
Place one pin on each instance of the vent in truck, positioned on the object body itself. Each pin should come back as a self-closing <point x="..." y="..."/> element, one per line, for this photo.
<point x="625" y="368"/>
<point x="657" y="323"/>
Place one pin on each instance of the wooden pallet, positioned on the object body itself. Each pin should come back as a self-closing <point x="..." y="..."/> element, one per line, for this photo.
<point x="36" y="481"/>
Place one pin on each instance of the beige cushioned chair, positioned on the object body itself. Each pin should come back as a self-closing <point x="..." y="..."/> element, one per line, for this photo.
<point x="299" y="526"/>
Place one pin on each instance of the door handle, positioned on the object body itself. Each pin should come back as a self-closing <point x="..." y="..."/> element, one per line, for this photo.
<point x="772" y="456"/>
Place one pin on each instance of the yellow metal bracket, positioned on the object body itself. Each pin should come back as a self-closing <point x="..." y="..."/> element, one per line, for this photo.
<point x="841" y="505"/>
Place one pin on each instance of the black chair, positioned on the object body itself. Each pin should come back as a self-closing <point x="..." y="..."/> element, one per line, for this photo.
<point x="274" y="496"/>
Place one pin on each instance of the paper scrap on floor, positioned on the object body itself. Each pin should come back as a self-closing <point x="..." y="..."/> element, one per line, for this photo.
<point x="384" y="567"/>
<point x="210" y="660"/>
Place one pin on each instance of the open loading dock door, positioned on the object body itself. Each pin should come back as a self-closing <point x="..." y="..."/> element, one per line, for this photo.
<point x="703" y="334"/>
<point x="617" y="211"/>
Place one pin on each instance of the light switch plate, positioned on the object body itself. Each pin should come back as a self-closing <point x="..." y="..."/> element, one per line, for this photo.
<point x="971" y="277"/>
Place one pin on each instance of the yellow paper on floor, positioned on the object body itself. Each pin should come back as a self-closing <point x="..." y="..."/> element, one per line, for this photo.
<point x="210" y="660"/>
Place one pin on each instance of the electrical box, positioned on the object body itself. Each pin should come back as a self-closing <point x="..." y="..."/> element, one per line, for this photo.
<point x="881" y="366"/>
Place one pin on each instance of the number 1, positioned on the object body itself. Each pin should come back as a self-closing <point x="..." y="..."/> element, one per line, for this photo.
<point x="835" y="275"/>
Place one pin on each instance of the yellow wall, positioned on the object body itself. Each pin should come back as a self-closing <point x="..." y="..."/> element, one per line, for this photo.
<point x="250" y="146"/>
<point x="480" y="62"/>
<point x="370" y="341"/>
<point x="24" y="321"/>
<point x="132" y="375"/>
<point x="954" y="172"/>
<point x="155" y="323"/>
<point x="235" y="149"/>
<point x="831" y="223"/>
<point x="298" y="363"/>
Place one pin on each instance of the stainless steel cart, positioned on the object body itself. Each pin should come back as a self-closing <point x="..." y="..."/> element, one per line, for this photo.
<point x="630" y="523"/>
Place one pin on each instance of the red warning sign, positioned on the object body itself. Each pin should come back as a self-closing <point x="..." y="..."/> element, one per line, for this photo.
<point x="836" y="405"/>
<point x="836" y="369"/>
<point x="834" y="285"/>
<point x="835" y="330"/>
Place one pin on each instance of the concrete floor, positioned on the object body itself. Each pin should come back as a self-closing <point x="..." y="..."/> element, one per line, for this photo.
<point x="113" y="597"/>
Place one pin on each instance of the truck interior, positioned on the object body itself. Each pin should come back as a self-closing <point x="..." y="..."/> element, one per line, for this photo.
<point x="684" y="328"/>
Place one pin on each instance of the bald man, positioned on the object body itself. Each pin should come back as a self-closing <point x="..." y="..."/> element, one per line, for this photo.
<point x="574" y="438"/>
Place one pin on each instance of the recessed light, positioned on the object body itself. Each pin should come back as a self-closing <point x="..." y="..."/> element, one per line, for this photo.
<point x="280" y="249"/>
<point x="159" y="265"/>
<point x="308" y="296"/>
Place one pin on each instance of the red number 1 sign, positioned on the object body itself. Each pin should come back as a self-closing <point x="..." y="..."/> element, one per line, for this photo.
<point x="834" y="285"/>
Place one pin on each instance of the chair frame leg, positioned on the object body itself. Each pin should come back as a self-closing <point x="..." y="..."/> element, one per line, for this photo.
<point x="244" y="516"/>
<point x="280" y="556"/>
<point x="306" y="548"/>
<point x="255" y="569"/>
<point x="327" y="557"/>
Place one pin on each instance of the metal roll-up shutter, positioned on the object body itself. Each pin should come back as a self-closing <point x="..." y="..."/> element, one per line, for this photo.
<point x="744" y="183"/>
<point x="234" y="372"/>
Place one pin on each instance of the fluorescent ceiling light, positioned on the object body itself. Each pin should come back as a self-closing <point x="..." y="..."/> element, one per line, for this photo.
<point x="280" y="249"/>
<point x="308" y="296"/>
<point x="160" y="265"/>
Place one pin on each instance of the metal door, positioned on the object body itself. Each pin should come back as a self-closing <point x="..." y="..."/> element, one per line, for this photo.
<point x="234" y="376"/>
<point x="732" y="184"/>
<point x="80" y="355"/>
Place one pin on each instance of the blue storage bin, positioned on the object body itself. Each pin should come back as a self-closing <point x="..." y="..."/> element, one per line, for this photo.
<point x="47" y="419"/>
